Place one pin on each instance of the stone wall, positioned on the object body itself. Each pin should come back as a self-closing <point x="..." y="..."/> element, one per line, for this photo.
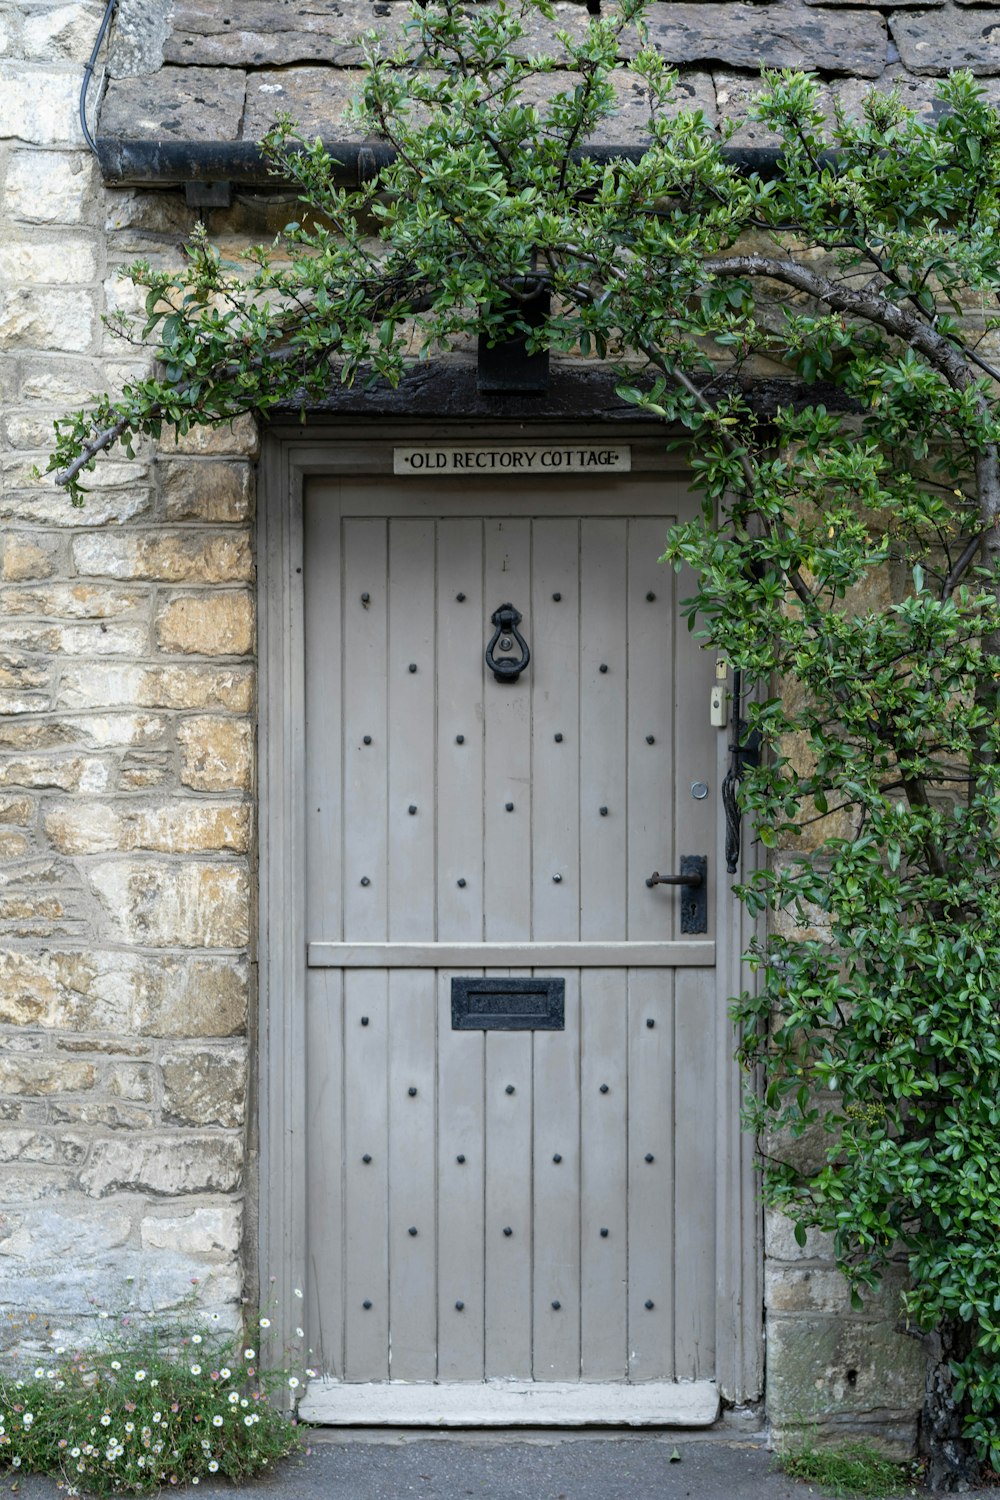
<point x="126" y="765"/>
<point x="126" y="811"/>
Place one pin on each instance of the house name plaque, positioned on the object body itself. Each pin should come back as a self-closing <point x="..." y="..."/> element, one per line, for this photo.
<point x="531" y="458"/>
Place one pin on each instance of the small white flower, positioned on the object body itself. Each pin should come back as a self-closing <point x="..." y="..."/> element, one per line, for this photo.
<point x="249" y="1354"/>
<point x="195" y="1479"/>
<point x="196" y="1369"/>
<point x="28" y="1418"/>
<point x="264" y="1323"/>
<point x="299" y="1334"/>
<point x="141" y="1375"/>
<point x="217" y="1421"/>
<point x="196" y="1338"/>
<point x="244" y="1402"/>
<point x="298" y="1292"/>
<point x="293" y="1383"/>
<point x="234" y="1396"/>
<point x="74" y="1453"/>
<point x="129" y="1426"/>
<point x="248" y="1421"/>
<point x="39" y="1373"/>
<point x="116" y="1364"/>
<point x="106" y="1420"/>
<point x="156" y="1416"/>
<point x="15" y="1463"/>
<point x="225" y="1372"/>
<point x="213" y="1467"/>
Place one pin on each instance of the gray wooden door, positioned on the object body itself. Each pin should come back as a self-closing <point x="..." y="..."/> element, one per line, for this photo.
<point x="506" y="1222"/>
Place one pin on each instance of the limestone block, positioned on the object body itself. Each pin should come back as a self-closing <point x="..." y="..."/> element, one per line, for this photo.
<point x="240" y="438"/>
<point x="176" y="104"/>
<point x="73" y="601"/>
<point x="220" y="623"/>
<point x="809" y="1289"/>
<point x="13" y="845"/>
<point x="268" y="34"/>
<point x="45" y="1075"/>
<point x="184" y="827"/>
<point x="47" y="262"/>
<point x="39" y="105"/>
<point x="195" y="491"/>
<point x="171" y="558"/>
<point x="78" y="1229"/>
<point x="130" y="1081"/>
<point x="212" y="1231"/>
<point x="193" y="997"/>
<point x="50" y="187"/>
<point x="60" y="383"/>
<point x="819" y="1365"/>
<point x="190" y="905"/>
<point x="17" y="809"/>
<point x="40" y="318"/>
<point x="780" y="1242"/>
<point x="152" y="212"/>
<point x="95" y="685"/>
<point x="26" y="556"/>
<point x="166" y="1164"/>
<point x="103" y="1114"/>
<point x="205" y="1086"/>
<point x="76" y="773"/>
<point x="45" y="505"/>
<point x="26" y="1145"/>
<point x="971" y="39"/>
<point x="216" y="753"/>
<point x="21" y="702"/>
<point x="74" y="640"/>
<point x="35" y="734"/>
<point x="36" y="1183"/>
<point x="64" y="31"/>
<point x="851" y="42"/>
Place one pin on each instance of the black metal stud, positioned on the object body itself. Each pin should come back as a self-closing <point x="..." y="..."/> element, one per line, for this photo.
<point x="558" y="739"/>
<point x="649" y="1304"/>
<point x="459" y="1306"/>
<point x="508" y="1231"/>
<point x="604" y="666"/>
<point x="366" y="598"/>
<point x="413" y="666"/>
<point x="604" y="1234"/>
<point x="460" y="598"/>
<point x="366" y="1305"/>
<point x="368" y="739"/>
<point x="413" y="1230"/>
<point x="460" y="739"/>
<point x="460" y="1160"/>
<point x="509" y="806"/>
<point x="510" y="1088"/>
<point x="557" y="1158"/>
<point x="650" y="597"/>
<point x="650" y="739"/>
<point x="604" y="1088"/>
<point x="460" y="882"/>
<point x="412" y="1092"/>
<point x="366" y="1159"/>
<point x="603" y="811"/>
<point x="412" y="809"/>
<point x="557" y="878"/>
<point x="365" y="880"/>
<point x="650" y="1022"/>
<point x="556" y="598"/>
<point x="364" y="1020"/>
<point x="556" y="1306"/>
<point x="649" y="1156"/>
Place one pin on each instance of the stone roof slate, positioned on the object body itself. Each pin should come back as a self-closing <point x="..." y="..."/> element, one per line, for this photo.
<point x="213" y="74"/>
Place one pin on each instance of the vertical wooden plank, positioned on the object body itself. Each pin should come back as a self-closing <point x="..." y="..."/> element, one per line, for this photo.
<point x="555" y="698"/>
<point x="603" y="679"/>
<point x="324" y="1169"/>
<point x="323" y="658"/>
<point x="366" y="1181"/>
<point x="651" y="627"/>
<point x="694" y="1174"/>
<point x="603" y="1174"/>
<point x="411" y="796"/>
<point x="651" y="1175"/>
<point x="412" y="1177"/>
<point x="507" y="713"/>
<point x="508" y="1204"/>
<point x="556" y="1178"/>
<point x="460" y="730"/>
<point x="365" y="857"/>
<point x="461" y="1185"/>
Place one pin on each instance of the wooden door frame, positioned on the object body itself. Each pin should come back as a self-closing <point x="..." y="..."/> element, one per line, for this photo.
<point x="277" y="1220"/>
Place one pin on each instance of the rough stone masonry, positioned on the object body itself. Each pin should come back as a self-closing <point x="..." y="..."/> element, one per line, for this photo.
<point x="127" y="672"/>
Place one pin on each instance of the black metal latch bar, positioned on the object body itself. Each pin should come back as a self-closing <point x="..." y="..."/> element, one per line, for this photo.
<point x="694" y="902"/>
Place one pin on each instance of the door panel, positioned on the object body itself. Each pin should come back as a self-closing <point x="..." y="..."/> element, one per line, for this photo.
<point x="536" y="1207"/>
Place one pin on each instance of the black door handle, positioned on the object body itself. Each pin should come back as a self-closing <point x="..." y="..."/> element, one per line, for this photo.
<point x="694" y="902"/>
<point x="657" y="879"/>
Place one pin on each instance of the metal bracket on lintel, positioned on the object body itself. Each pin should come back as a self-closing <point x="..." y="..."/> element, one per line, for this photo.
<point x="508" y="366"/>
<point x="208" y="194"/>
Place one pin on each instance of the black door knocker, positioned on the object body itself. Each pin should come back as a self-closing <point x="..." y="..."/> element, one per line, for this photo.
<point x="507" y="668"/>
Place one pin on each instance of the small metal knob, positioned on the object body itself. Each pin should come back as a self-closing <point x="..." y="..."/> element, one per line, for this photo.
<point x="365" y="880"/>
<point x="604" y="1234"/>
<point x="649" y="1156"/>
<point x="368" y="739"/>
<point x="510" y="1088"/>
<point x="604" y="1088"/>
<point x="556" y="1306"/>
<point x="508" y="1231"/>
<point x="366" y="598"/>
<point x="650" y="739"/>
<point x="413" y="1230"/>
<point x="364" y="1020"/>
<point x="509" y="806"/>
<point x="604" y="666"/>
<point x="413" y="666"/>
<point x="460" y="882"/>
<point x="366" y="1305"/>
<point x="650" y="597"/>
<point x="366" y="1159"/>
<point x="460" y="1160"/>
<point x="460" y="598"/>
<point x="460" y="739"/>
<point x="649" y="1304"/>
<point x="557" y="878"/>
<point x="459" y="1306"/>
<point x="412" y="809"/>
<point x="558" y="739"/>
<point x="557" y="1158"/>
<point x="412" y="1092"/>
<point x="603" y="811"/>
<point x="650" y="1022"/>
<point x="557" y="597"/>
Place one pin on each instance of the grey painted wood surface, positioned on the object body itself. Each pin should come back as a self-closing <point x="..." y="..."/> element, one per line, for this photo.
<point x="520" y="846"/>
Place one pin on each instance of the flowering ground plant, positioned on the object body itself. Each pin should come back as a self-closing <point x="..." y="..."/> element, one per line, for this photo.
<point x="152" y="1408"/>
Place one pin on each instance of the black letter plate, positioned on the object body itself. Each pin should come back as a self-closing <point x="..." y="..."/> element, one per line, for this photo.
<point x="508" y="1004"/>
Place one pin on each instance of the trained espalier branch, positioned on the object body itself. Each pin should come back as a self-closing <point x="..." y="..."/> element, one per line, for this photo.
<point x="847" y="552"/>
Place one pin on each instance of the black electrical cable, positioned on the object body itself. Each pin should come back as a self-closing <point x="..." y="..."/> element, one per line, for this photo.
<point x="88" y="74"/>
